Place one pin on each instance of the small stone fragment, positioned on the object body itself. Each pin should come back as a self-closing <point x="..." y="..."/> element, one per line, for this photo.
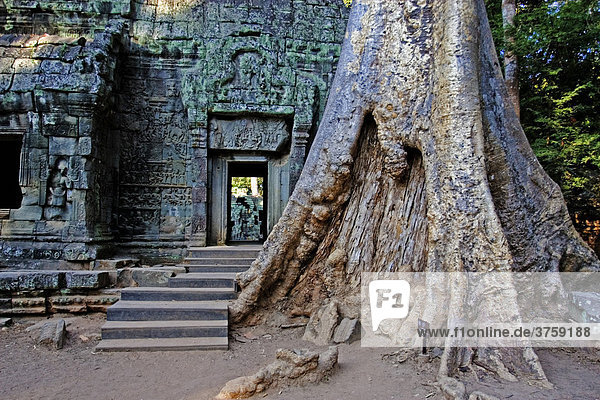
<point x="53" y="333"/>
<point x="482" y="396"/>
<point x="321" y="325"/>
<point x="345" y="331"/>
<point x="5" y="322"/>
<point x="452" y="389"/>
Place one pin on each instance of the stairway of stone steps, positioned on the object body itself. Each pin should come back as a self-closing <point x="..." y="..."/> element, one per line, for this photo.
<point x="190" y="314"/>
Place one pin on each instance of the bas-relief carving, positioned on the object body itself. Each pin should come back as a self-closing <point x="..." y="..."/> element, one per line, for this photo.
<point x="58" y="190"/>
<point x="263" y="134"/>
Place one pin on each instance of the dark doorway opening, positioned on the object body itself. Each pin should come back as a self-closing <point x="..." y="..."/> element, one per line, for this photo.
<point x="10" y="160"/>
<point x="247" y="205"/>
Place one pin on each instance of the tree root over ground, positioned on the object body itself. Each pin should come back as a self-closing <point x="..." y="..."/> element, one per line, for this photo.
<point x="292" y="367"/>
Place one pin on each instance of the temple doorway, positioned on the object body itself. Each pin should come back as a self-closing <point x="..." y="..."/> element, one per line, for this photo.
<point x="247" y="209"/>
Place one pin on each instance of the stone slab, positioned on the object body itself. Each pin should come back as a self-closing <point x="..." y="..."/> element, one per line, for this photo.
<point x="87" y="279"/>
<point x="9" y="281"/>
<point x="345" y="331"/>
<point x="28" y="305"/>
<point x="41" y="280"/>
<point x="67" y="304"/>
<point x="116" y="263"/>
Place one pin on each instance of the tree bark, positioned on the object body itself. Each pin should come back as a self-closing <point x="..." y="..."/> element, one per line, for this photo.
<point x="420" y="164"/>
<point x="511" y="66"/>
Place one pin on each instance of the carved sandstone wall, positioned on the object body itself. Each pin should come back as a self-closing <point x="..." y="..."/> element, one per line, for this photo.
<point x="114" y="101"/>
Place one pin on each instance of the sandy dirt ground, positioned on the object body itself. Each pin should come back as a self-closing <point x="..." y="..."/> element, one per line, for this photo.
<point x="30" y="371"/>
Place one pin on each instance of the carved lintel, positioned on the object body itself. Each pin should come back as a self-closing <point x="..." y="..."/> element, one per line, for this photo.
<point x="263" y="134"/>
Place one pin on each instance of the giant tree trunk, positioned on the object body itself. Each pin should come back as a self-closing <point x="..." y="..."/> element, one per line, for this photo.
<point x="420" y="164"/>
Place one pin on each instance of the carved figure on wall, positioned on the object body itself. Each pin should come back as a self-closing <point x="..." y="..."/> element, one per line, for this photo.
<point x="59" y="184"/>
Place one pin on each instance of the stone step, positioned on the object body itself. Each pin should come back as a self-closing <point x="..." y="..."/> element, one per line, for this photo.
<point x="204" y="280"/>
<point x="163" y="329"/>
<point x="176" y="294"/>
<point x="225" y="252"/>
<point x="217" y="268"/>
<point x="125" y="310"/>
<point x="219" y="261"/>
<point x="164" y="344"/>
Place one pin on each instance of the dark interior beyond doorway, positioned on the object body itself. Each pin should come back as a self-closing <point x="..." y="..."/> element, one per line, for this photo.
<point x="247" y="208"/>
<point x="10" y="155"/>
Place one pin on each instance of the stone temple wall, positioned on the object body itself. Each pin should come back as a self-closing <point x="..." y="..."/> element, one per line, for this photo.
<point x="114" y="102"/>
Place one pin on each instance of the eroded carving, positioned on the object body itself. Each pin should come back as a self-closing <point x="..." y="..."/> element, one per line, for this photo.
<point x="266" y="134"/>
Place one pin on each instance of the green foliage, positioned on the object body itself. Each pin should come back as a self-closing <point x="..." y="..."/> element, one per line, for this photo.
<point x="558" y="47"/>
<point x="242" y="185"/>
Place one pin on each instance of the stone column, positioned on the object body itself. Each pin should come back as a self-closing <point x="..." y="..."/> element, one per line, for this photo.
<point x="197" y="177"/>
<point x="300" y="135"/>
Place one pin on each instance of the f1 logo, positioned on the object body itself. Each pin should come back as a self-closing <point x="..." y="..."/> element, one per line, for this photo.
<point x="389" y="300"/>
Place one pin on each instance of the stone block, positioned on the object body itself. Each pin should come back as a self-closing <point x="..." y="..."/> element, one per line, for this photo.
<point x="5" y="81"/>
<point x="41" y="280"/>
<point x="125" y="278"/>
<point x="5" y="306"/>
<point x="67" y="304"/>
<point x="64" y="146"/>
<point x="321" y="325"/>
<point x="26" y="66"/>
<point x="26" y="213"/>
<point x="53" y="333"/>
<point x="86" y="279"/>
<point x="79" y="252"/>
<point x="85" y="126"/>
<point x="346" y="331"/>
<point x="100" y="302"/>
<point x="16" y="102"/>
<point x="116" y="263"/>
<point x="54" y="67"/>
<point x="152" y="277"/>
<point x="9" y="281"/>
<point x="85" y="146"/>
<point x="17" y="228"/>
<point x="24" y="82"/>
<point x="6" y="65"/>
<point x="28" y="305"/>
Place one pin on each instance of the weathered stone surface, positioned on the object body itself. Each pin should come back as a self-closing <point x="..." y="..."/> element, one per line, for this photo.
<point x="67" y="304"/>
<point x="28" y="305"/>
<point x="5" y="322"/>
<point x="114" y="264"/>
<point x="154" y="276"/>
<point x="87" y="279"/>
<point x="26" y="213"/>
<point x="266" y="134"/>
<point x="9" y="281"/>
<point x="53" y="333"/>
<point x="100" y="302"/>
<point x="267" y="62"/>
<point x="292" y="367"/>
<point x="5" y="306"/>
<point x="346" y="331"/>
<point x="321" y="325"/>
<point x="33" y="280"/>
<point x="125" y="278"/>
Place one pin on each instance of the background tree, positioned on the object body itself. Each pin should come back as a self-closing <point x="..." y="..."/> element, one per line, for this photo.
<point x="558" y="47"/>
<point x="419" y="164"/>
